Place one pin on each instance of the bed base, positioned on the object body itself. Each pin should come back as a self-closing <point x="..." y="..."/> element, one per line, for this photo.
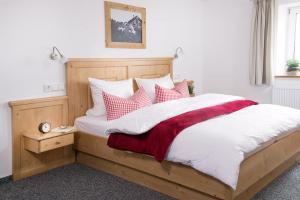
<point x="183" y="182"/>
<point x="141" y="178"/>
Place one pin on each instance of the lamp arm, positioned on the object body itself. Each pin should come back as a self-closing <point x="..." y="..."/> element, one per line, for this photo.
<point x="55" y="48"/>
<point x="178" y="50"/>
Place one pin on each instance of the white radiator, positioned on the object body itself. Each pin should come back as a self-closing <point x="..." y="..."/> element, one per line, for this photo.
<point x="286" y="97"/>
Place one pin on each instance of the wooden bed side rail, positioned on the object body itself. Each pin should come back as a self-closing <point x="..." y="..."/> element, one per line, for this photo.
<point x="176" y="173"/>
<point x="170" y="188"/>
<point x="267" y="161"/>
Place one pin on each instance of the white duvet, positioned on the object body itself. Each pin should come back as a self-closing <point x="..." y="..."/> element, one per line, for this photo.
<point x="217" y="146"/>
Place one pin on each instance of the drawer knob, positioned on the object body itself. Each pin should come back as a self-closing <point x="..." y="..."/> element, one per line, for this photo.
<point x="57" y="143"/>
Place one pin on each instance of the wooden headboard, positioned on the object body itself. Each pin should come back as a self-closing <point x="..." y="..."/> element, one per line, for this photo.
<point x="80" y="69"/>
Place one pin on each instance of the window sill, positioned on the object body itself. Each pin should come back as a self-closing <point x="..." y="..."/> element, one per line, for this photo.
<point x="293" y="74"/>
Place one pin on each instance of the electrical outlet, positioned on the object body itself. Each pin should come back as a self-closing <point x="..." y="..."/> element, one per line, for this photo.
<point x="54" y="87"/>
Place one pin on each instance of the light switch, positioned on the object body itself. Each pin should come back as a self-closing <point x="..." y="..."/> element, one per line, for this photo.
<point x="54" y="87"/>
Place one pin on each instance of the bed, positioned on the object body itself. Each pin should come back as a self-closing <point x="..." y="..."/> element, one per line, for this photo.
<point x="173" y="179"/>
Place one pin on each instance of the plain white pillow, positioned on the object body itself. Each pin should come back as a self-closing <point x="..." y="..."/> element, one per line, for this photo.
<point x="122" y="89"/>
<point x="149" y="84"/>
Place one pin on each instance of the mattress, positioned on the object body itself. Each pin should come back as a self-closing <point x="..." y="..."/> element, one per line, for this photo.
<point x="97" y="126"/>
<point x="92" y="125"/>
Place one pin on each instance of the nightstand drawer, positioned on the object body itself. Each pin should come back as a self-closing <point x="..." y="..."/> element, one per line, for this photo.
<point x="56" y="142"/>
<point x="39" y="146"/>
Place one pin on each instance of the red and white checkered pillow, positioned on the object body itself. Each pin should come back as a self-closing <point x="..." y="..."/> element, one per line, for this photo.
<point x="117" y="107"/>
<point x="179" y="91"/>
<point x="182" y="88"/>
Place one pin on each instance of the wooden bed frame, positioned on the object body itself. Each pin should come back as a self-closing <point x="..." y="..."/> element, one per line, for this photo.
<point x="173" y="179"/>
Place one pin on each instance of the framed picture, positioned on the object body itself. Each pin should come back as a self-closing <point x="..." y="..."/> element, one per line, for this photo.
<point x="125" y="26"/>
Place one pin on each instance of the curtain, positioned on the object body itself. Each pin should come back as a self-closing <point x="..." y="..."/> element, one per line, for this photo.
<point x="261" y="42"/>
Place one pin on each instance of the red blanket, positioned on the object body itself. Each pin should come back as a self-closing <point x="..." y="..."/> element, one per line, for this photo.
<point x="157" y="141"/>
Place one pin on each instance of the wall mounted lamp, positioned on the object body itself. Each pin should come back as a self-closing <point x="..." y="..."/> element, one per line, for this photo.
<point x="178" y="51"/>
<point x="56" y="54"/>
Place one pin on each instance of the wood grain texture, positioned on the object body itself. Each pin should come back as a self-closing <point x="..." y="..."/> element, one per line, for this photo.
<point x="79" y="70"/>
<point x="256" y="171"/>
<point x="173" y="172"/>
<point x="267" y="179"/>
<point x="56" y="142"/>
<point x="49" y="135"/>
<point x="169" y="188"/>
<point x="108" y="41"/>
<point x="26" y="116"/>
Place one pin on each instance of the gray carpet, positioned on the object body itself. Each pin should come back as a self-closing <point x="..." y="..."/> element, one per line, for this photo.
<point x="80" y="182"/>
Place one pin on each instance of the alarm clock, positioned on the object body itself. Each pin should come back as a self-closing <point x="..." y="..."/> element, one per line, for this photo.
<point x="44" y="127"/>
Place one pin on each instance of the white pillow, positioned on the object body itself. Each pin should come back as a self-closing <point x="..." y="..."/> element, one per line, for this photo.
<point x="119" y="88"/>
<point x="149" y="84"/>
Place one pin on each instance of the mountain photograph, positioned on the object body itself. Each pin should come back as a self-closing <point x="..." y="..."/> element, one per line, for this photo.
<point x="126" y="27"/>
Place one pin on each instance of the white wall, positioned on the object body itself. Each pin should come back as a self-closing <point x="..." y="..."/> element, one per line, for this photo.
<point x="227" y="45"/>
<point x="29" y="28"/>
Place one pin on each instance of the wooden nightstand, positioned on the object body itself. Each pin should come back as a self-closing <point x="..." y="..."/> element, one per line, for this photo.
<point x="34" y="152"/>
<point x="39" y="143"/>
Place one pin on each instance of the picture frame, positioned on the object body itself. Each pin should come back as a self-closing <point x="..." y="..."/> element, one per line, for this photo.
<point x="125" y="26"/>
